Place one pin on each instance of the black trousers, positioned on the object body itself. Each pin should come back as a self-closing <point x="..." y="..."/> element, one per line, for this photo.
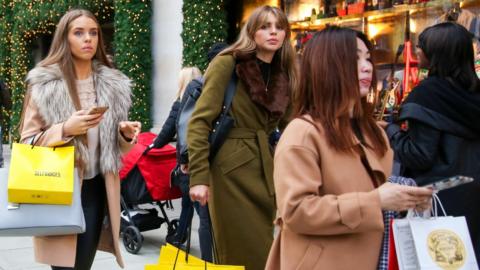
<point x="93" y="204"/>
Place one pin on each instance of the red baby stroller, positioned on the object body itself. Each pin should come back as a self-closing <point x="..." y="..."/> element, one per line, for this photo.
<point x="146" y="191"/>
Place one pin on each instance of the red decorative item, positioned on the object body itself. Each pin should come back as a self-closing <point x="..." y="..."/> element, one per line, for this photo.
<point x="356" y="8"/>
<point x="306" y="38"/>
<point x="155" y="167"/>
<point x="410" y="76"/>
<point x="342" y="12"/>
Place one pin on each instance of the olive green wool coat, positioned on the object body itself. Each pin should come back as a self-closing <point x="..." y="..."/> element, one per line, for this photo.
<point x="241" y="202"/>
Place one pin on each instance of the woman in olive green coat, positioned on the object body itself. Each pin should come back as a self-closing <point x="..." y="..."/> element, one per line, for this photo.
<point x="238" y="184"/>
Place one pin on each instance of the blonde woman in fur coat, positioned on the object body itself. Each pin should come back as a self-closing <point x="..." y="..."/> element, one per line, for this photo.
<point x="74" y="77"/>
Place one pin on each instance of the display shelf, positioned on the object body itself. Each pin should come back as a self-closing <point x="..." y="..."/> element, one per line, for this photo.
<point x="398" y="10"/>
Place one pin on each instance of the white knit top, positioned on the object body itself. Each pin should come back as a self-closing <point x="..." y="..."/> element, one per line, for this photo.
<point x="88" y="99"/>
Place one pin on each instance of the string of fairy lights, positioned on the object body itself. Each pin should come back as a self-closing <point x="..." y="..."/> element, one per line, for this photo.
<point x="204" y="23"/>
<point x="132" y="50"/>
<point x="21" y="22"/>
<point x="5" y="60"/>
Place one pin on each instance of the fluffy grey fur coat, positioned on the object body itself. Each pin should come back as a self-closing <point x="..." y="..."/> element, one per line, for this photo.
<point x="50" y="93"/>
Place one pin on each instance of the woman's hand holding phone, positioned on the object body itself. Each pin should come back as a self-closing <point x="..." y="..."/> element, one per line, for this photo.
<point x="80" y="122"/>
<point x="396" y="197"/>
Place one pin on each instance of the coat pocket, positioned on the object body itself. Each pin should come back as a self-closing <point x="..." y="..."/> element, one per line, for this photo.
<point x="311" y="257"/>
<point x="237" y="159"/>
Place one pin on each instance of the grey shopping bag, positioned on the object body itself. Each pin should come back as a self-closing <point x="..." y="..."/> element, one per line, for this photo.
<point x="40" y="219"/>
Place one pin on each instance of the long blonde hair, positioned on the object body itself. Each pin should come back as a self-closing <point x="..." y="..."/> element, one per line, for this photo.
<point x="246" y="40"/>
<point x="61" y="54"/>
<point x="186" y="75"/>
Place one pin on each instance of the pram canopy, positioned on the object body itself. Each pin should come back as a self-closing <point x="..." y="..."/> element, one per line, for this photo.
<point x="154" y="167"/>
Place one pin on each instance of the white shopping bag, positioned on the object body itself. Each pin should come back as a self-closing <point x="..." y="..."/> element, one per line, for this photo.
<point x="441" y="243"/>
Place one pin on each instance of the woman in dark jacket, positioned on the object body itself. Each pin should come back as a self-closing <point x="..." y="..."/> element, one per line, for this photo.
<point x="443" y="114"/>
<point x="188" y="78"/>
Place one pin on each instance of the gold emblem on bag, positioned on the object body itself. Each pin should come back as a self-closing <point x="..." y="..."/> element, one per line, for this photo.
<point x="446" y="249"/>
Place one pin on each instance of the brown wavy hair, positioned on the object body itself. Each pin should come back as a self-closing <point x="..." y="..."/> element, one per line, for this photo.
<point x="329" y="86"/>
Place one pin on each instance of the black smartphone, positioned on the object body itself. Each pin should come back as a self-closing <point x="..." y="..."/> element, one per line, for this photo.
<point x="450" y="182"/>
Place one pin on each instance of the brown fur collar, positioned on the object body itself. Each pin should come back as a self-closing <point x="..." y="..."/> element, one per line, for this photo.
<point x="277" y="98"/>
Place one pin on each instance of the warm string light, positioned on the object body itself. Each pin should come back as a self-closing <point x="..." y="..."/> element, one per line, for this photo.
<point x="203" y="25"/>
<point x="133" y="53"/>
<point x="21" y="22"/>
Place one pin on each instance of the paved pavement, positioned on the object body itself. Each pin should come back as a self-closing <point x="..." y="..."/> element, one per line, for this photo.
<point x="16" y="253"/>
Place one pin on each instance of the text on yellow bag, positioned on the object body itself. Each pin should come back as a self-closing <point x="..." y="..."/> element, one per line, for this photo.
<point x="42" y="175"/>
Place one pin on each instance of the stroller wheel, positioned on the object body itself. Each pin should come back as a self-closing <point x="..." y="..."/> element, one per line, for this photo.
<point x="172" y="229"/>
<point x="132" y="239"/>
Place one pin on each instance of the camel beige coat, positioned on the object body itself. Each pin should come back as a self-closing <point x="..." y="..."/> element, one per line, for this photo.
<point x="60" y="250"/>
<point x="329" y="213"/>
<point x="46" y="85"/>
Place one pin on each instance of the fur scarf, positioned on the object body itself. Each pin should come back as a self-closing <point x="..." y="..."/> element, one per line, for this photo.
<point x="277" y="98"/>
<point x="50" y="93"/>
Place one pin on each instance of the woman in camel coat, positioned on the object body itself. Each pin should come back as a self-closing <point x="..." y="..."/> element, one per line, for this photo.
<point x="331" y="164"/>
<point x="74" y="77"/>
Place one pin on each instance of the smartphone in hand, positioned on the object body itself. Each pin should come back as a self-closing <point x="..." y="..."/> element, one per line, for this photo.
<point x="450" y="182"/>
<point x="97" y="110"/>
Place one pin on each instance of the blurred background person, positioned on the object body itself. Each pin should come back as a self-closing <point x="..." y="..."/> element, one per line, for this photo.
<point x="442" y="115"/>
<point x="188" y="77"/>
<point x="5" y="106"/>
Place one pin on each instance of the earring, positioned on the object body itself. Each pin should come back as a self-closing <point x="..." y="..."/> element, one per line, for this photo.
<point x="371" y="96"/>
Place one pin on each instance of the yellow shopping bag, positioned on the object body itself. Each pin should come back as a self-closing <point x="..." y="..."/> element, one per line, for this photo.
<point x="169" y="260"/>
<point x="42" y="175"/>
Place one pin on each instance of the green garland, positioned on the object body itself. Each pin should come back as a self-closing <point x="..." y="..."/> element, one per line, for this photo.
<point x="5" y="60"/>
<point x="23" y="21"/>
<point x="204" y="23"/>
<point x="133" y="53"/>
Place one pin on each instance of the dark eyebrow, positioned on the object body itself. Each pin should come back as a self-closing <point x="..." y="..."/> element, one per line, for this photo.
<point x="81" y="28"/>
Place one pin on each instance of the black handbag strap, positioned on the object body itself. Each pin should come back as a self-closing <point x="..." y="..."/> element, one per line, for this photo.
<point x="230" y="92"/>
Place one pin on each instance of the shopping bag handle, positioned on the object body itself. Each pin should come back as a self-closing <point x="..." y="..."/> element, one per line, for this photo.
<point x="212" y="235"/>
<point x="34" y="143"/>
<point x="436" y="200"/>
<point x="436" y="203"/>
<point x="188" y="230"/>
